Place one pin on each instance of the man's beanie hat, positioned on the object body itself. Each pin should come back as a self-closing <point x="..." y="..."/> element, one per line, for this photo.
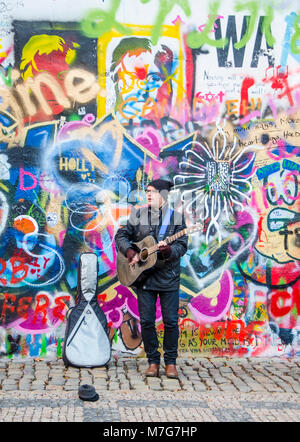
<point x="161" y="184"/>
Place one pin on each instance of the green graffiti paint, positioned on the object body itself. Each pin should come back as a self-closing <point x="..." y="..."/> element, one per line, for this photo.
<point x="59" y="348"/>
<point x="295" y="48"/>
<point x="244" y="232"/>
<point x="115" y="336"/>
<point x="44" y="346"/>
<point x="7" y="80"/>
<point x="196" y="39"/>
<point x="165" y="7"/>
<point x="40" y="204"/>
<point x="97" y="22"/>
<point x="8" y="347"/>
<point x="74" y="117"/>
<point x="253" y="8"/>
<point x="266" y="26"/>
<point x="202" y="248"/>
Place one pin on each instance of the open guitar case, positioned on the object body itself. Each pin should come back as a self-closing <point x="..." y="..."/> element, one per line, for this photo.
<point x="86" y="342"/>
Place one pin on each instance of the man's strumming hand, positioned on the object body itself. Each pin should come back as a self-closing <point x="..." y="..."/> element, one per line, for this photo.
<point x="132" y="256"/>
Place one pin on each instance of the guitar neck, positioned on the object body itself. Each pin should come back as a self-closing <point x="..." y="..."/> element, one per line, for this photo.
<point x="176" y="236"/>
<point x="168" y="240"/>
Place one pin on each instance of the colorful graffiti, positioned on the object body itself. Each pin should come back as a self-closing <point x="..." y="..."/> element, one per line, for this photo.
<point x="96" y="103"/>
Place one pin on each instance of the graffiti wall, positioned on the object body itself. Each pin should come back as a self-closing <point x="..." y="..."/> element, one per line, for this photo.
<point x="97" y="99"/>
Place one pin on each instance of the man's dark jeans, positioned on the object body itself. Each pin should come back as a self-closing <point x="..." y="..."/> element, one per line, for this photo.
<point x="169" y="301"/>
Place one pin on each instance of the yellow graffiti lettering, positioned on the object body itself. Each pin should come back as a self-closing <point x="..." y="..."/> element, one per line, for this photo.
<point x="232" y="107"/>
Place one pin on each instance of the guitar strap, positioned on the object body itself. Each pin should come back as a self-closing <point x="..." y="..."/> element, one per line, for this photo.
<point x="165" y="223"/>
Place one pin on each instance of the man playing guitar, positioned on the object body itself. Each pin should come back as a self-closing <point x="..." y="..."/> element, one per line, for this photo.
<point x="163" y="279"/>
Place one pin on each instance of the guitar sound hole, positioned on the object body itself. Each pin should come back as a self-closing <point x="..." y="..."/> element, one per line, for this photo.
<point x="144" y="255"/>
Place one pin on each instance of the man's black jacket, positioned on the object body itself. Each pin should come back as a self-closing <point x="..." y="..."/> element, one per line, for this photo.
<point x="165" y="275"/>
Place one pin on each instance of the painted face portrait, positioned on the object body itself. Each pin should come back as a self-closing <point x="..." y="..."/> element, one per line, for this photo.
<point x="141" y="74"/>
<point x="51" y="54"/>
<point x="278" y="204"/>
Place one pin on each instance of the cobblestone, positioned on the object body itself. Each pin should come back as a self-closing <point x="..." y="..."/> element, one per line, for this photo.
<point x="212" y="390"/>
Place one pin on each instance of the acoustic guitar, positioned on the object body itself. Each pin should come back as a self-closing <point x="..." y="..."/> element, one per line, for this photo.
<point x="147" y="249"/>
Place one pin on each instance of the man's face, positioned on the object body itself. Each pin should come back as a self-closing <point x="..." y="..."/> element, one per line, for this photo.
<point x="154" y="198"/>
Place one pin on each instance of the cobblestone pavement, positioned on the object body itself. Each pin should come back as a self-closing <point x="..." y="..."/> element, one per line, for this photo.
<point x="208" y="390"/>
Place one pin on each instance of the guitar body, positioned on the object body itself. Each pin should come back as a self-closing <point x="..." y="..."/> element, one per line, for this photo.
<point x="128" y="274"/>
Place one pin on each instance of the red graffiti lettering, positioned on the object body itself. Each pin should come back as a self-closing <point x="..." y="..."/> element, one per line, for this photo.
<point x="17" y="268"/>
<point x="203" y="331"/>
<point x="182" y="323"/>
<point x="218" y="329"/>
<point x="41" y="308"/>
<point x="23" y="306"/>
<point x="7" y="305"/>
<point x="235" y="330"/>
<point x="247" y="83"/>
<point x="34" y="263"/>
<point x="60" y="306"/>
<point x="3" y="263"/>
<point x="278" y="298"/>
<point x="46" y="260"/>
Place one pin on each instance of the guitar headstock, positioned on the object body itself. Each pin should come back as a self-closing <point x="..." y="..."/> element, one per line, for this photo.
<point x="194" y="228"/>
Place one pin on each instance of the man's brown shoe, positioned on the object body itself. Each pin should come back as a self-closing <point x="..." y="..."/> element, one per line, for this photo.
<point x="152" y="370"/>
<point x="171" y="371"/>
